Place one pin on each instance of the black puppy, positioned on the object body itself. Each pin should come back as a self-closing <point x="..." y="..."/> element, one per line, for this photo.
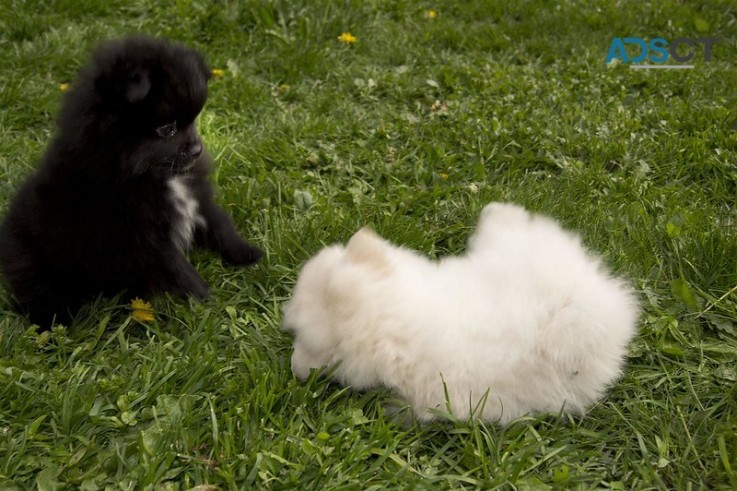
<point x="122" y="191"/>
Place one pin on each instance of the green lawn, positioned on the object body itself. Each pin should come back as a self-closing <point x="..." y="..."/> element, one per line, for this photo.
<point x="412" y="129"/>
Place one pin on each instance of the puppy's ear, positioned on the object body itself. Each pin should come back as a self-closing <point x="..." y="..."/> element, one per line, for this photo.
<point x="366" y="247"/>
<point x="124" y="84"/>
<point x="137" y="85"/>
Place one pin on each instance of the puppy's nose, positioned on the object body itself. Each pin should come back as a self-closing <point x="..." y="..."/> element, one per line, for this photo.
<point x="195" y="148"/>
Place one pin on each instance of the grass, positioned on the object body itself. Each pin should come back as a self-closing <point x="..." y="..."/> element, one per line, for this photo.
<point x="412" y="129"/>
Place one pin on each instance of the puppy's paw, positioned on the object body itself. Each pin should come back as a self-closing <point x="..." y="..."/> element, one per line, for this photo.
<point x="241" y="253"/>
<point x="187" y="284"/>
<point x="199" y="289"/>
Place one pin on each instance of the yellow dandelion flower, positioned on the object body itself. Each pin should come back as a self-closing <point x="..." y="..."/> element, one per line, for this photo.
<point x="142" y="310"/>
<point x="64" y="86"/>
<point x="444" y="176"/>
<point x="284" y="88"/>
<point x="217" y="72"/>
<point x="431" y="14"/>
<point x="347" y="38"/>
<point x="439" y="107"/>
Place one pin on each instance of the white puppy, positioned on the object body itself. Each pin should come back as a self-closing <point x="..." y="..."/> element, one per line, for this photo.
<point x="525" y="322"/>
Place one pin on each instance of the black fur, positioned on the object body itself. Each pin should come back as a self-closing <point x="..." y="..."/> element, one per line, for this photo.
<point x="97" y="216"/>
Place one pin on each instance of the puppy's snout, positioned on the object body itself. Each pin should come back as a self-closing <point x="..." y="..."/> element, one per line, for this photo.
<point x="192" y="142"/>
<point x="195" y="148"/>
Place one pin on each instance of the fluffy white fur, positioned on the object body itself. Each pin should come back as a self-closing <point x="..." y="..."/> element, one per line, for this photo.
<point x="525" y="322"/>
<point x="188" y="216"/>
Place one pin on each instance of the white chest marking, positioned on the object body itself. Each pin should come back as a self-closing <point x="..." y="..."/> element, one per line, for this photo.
<point x="187" y="216"/>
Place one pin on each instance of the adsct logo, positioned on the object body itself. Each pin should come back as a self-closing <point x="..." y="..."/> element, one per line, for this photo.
<point x="658" y="51"/>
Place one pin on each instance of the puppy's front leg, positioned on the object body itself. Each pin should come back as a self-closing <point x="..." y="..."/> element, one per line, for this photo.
<point x="216" y="231"/>
<point x="219" y="234"/>
<point x="178" y="277"/>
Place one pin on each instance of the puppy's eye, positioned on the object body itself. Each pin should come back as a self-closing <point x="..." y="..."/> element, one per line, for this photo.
<point x="168" y="130"/>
